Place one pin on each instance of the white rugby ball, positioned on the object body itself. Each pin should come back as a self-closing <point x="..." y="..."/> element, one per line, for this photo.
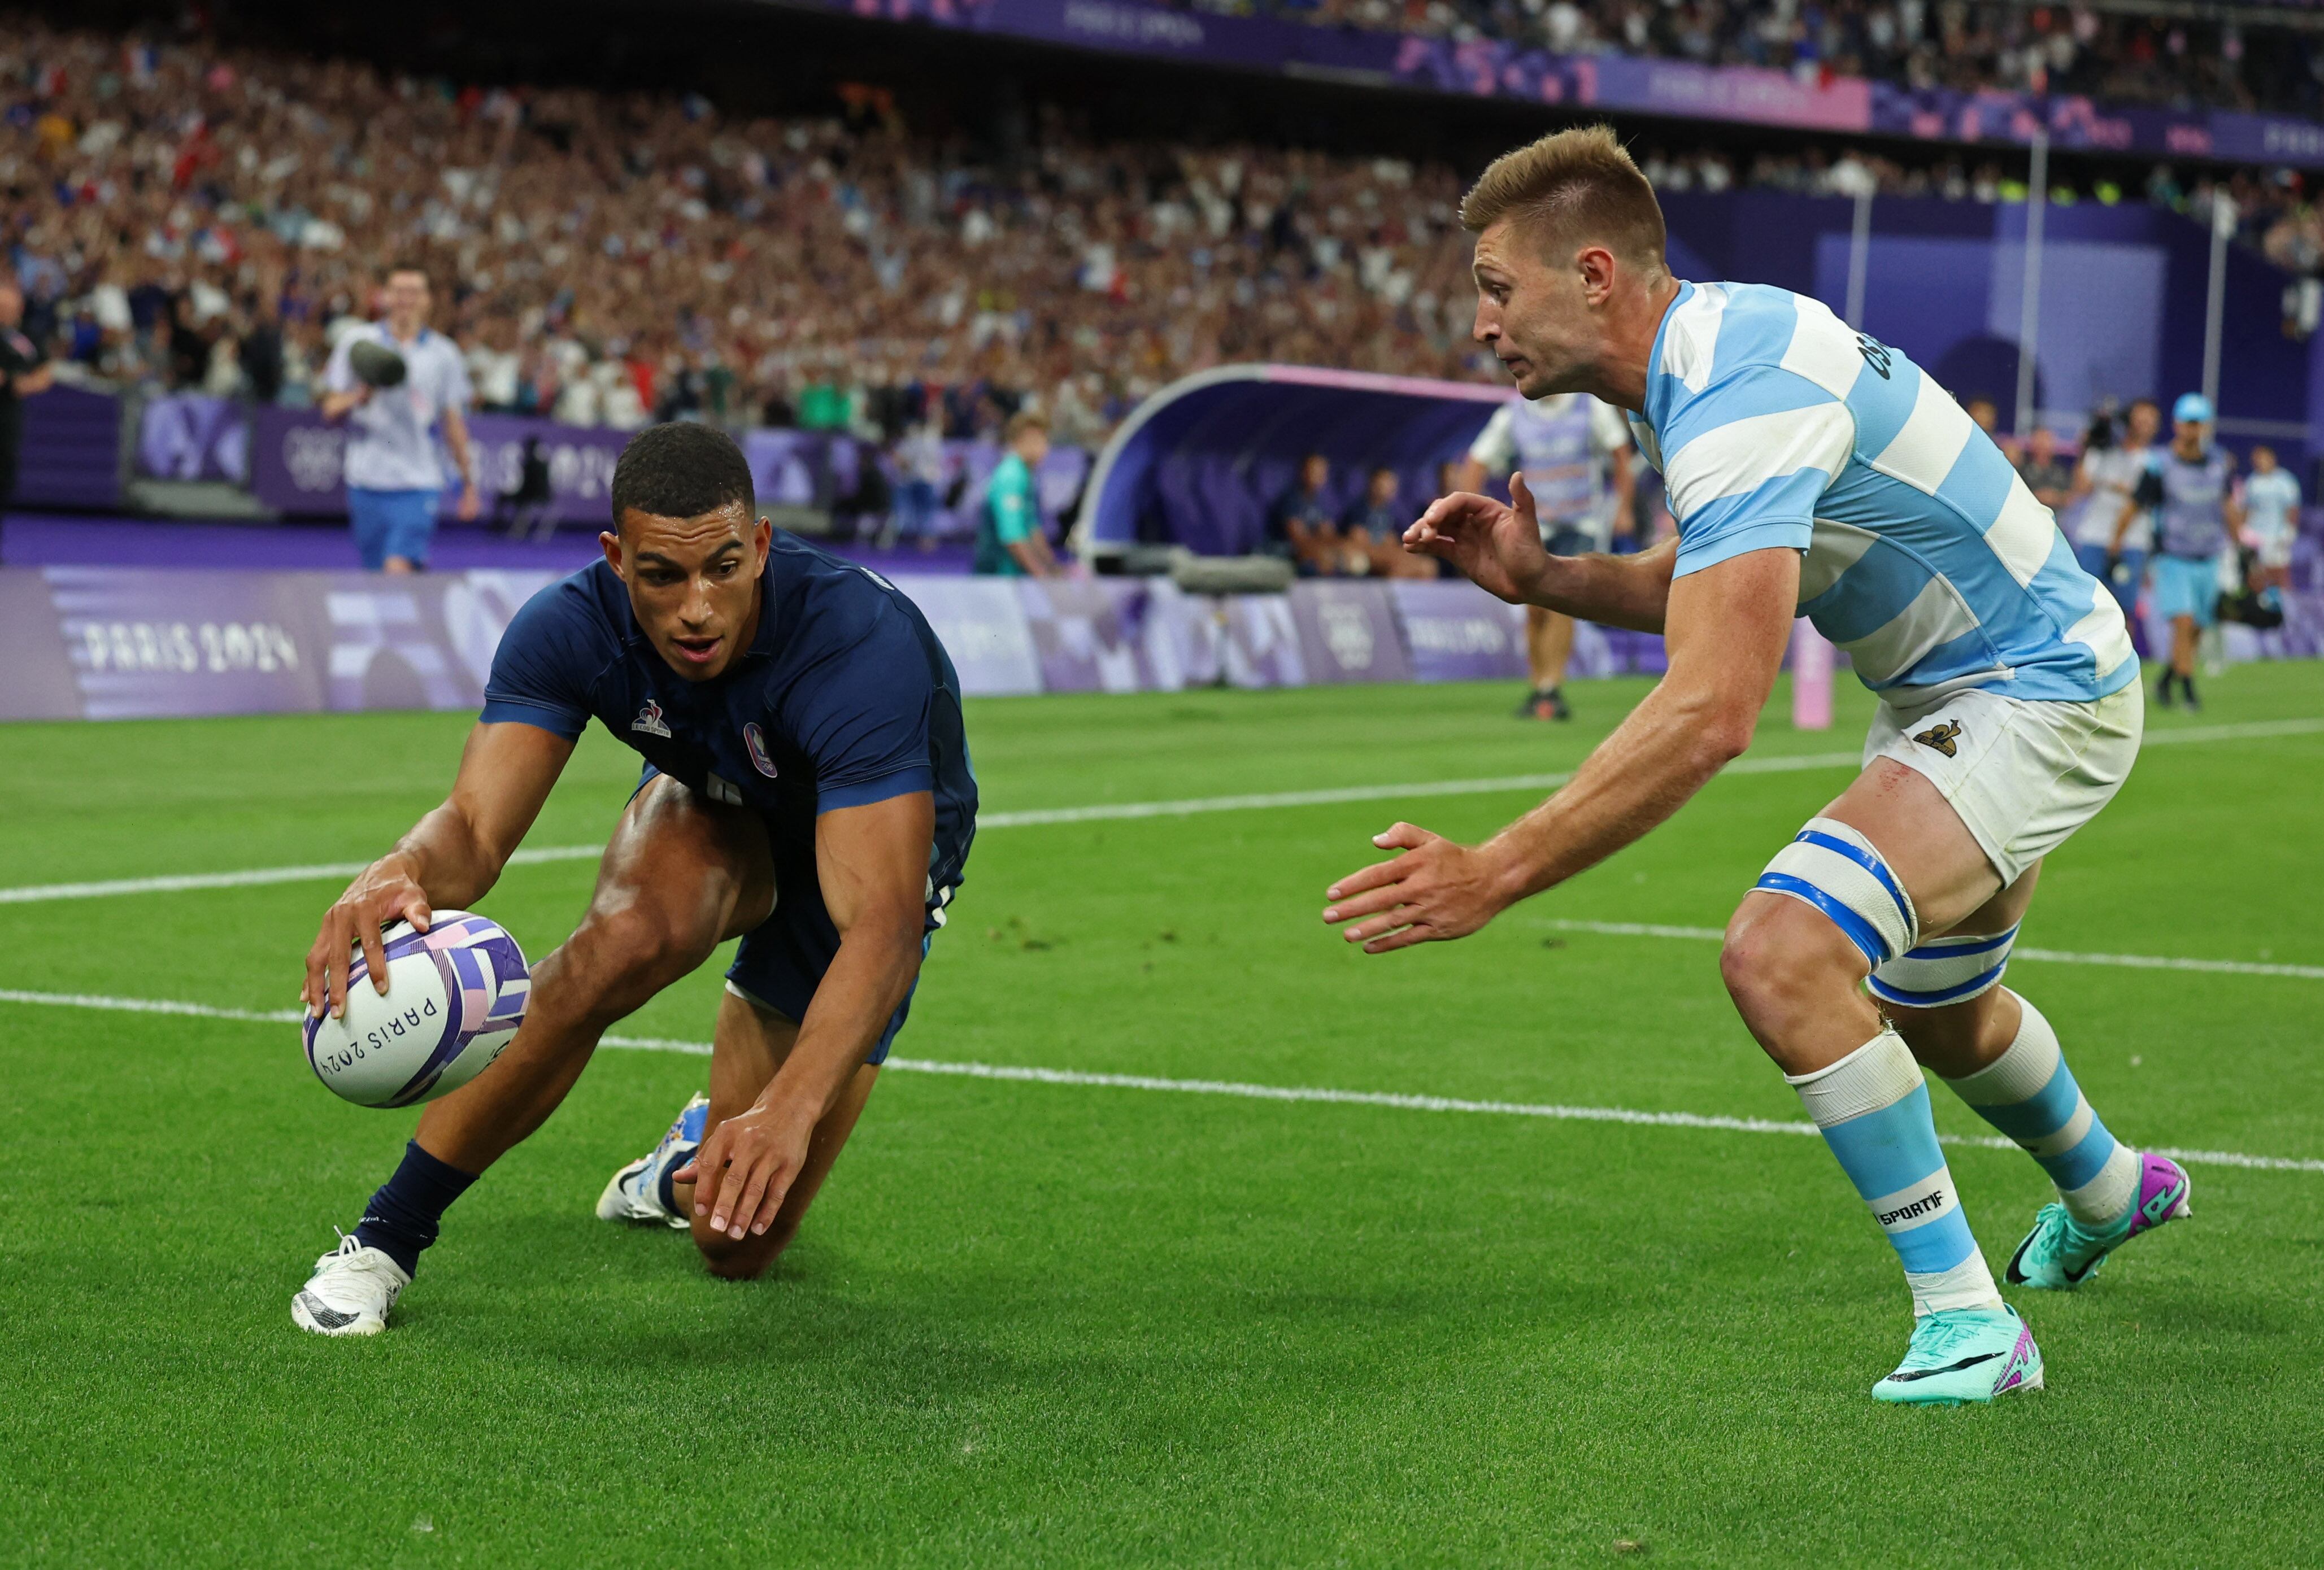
<point x="455" y="994"/>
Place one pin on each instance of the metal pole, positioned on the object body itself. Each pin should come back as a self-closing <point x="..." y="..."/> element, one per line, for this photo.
<point x="1859" y="258"/>
<point x="2029" y="300"/>
<point x="2215" y="305"/>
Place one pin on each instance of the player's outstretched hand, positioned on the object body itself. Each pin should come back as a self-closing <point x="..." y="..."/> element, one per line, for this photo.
<point x="383" y="892"/>
<point x="1499" y="548"/>
<point x="1437" y="889"/>
<point x="745" y="1168"/>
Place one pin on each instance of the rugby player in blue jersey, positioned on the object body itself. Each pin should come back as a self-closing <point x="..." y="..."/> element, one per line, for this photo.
<point x="807" y="789"/>
<point x="1812" y="471"/>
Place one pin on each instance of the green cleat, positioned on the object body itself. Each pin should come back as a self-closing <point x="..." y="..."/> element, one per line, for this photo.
<point x="2060" y="1252"/>
<point x="1964" y="1354"/>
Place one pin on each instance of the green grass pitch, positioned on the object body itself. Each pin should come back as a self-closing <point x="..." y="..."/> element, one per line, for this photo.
<point x="1062" y="1324"/>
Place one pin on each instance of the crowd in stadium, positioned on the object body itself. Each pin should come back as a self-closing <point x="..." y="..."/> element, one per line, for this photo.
<point x="203" y="219"/>
<point x="2128" y="58"/>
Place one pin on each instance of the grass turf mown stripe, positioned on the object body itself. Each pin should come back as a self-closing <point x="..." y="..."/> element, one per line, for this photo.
<point x="1243" y="1090"/>
<point x="1103" y="811"/>
<point x="2043" y="956"/>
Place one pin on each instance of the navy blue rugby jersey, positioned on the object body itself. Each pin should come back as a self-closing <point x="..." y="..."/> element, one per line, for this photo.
<point x="844" y="698"/>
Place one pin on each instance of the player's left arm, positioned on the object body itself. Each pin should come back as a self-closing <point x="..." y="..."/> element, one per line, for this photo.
<point x="873" y="863"/>
<point x="1727" y="630"/>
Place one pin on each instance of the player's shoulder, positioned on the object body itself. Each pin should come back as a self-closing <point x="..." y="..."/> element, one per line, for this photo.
<point x="587" y="609"/>
<point x="826" y="602"/>
<point x="1736" y="346"/>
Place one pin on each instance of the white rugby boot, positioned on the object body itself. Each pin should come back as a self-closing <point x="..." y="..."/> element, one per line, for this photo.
<point x="634" y="1193"/>
<point x="350" y="1293"/>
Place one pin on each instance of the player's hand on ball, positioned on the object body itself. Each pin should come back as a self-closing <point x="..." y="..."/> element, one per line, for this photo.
<point x="1436" y="889"/>
<point x="1497" y="548"/>
<point x="746" y="1166"/>
<point x="382" y="894"/>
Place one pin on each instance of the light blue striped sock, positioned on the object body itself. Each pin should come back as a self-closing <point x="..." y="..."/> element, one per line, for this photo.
<point x="1873" y="1108"/>
<point x="2029" y="1094"/>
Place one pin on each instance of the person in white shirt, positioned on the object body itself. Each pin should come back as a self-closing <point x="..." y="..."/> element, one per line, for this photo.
<point x="394" y="477"/>
<point x="2111" y="534"/>
<point x="1575" y="451"/>
<point x="2271" y="516"/>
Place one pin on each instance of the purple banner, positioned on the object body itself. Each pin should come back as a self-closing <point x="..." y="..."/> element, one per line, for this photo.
<point x="981" y="622"/>
<point x="1458" y="633"/>
<point x="192" y="436"/>
<point x="296" y="463"/>
<point x="1492" y="69"/>
<point x="133" y="643"/>
<point x="1120" y="635"/>
<point x="1347" y="632"/>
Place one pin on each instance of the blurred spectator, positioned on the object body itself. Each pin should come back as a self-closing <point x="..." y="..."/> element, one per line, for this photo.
<point x="394" y="479"/>
<point x="1301" y="525"/>
<point x="1573" y="452"/>
<point x="920" y="470"/>
<point x="2045" y="473"/>
<point x="1009" y="536"/>
<point x="2270" y="516"/>
<point x="24" y="371"/>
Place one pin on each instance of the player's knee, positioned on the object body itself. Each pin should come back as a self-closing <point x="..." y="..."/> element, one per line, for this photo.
<point x="745" y="1259"/>
<point x="1783" y="963"/>
<point x="630" y="945"/>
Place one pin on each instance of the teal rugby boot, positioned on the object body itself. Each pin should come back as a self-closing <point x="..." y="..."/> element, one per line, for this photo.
<point x="2060" y="1252"/>
<point x="639" y="1192"/>
<point x="1964" y="1354"/>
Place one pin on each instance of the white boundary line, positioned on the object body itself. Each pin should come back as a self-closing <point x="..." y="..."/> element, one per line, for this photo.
<point x="2047" y="956"/>
<point x="1018" y="1074"/>
<point x="1103" y="811"/>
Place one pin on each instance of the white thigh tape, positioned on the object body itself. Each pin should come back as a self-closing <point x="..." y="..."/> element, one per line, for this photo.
<point x="1944" y="970"/>
<point x="1835" y="869"/>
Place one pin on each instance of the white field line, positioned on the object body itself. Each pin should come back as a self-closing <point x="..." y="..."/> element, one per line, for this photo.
<point x="1234" y="1088"/>
<point x="1103" y="811"/>
<point x="2047" y="956"/>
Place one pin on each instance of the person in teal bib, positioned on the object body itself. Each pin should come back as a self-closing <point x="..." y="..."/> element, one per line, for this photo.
<point x="1008" y="537"/>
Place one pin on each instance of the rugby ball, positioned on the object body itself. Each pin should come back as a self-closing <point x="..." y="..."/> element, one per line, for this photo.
<point x="455" y="994"/>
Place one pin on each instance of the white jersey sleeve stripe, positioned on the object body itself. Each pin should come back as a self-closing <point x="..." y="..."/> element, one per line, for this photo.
<point x="1741" y="456"/>
<point x="2023" y="534"/>
<point x="1690" y="336"/>
<point x="1823" y="350"/>
<point x="1931" y="442"/>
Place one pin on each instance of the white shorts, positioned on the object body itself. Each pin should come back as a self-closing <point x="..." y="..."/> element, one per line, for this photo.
<point x="2022" y="775"/>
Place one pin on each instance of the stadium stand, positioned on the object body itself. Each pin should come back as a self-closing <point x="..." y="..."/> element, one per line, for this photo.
<point x="203" y="219"/>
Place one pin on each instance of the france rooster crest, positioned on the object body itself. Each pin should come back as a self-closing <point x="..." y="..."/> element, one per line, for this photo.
<point x="755" y="740"/>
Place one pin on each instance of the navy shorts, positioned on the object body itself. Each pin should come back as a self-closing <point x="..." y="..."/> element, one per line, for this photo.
<point x="392" y="523"/>
<point x="782" y="962"/>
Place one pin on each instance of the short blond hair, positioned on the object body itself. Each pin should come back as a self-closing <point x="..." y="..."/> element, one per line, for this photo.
<point x="1022" y="421"/>
<point x="1573" y="187"/>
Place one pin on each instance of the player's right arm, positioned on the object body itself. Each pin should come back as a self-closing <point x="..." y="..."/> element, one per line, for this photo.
<point x="451" y="857"/>
<point x="536" y="701"/>
<point x="1499" y="549"/>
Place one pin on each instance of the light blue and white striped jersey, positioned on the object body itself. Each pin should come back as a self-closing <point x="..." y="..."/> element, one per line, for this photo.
<point x="1775" y="426"/>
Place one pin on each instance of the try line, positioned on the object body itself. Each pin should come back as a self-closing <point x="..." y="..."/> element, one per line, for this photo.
<point x="1103" y="811"/>
<point x="1244" y="1090"/>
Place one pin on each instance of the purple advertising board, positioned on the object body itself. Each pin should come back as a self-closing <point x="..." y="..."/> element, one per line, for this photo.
<point x="1456" y="632"/>
<point x="1347" y="632"/>
<point x="1485" y="67"/>
<point x="296" y="463"/>
<point x="1120" y="635"/>
<point x="128" y="643"/>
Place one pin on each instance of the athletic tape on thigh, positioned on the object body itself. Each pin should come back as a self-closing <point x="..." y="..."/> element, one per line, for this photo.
<point x="1839" y="871"/>
<point x="1944" y="970"/>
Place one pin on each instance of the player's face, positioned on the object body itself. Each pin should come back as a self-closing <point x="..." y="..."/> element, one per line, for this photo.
<point x="1535" y="317"/>
<point x="2146" y="421"/>
<point x="2263" y="459"/>
<point x="694" y="583"/>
